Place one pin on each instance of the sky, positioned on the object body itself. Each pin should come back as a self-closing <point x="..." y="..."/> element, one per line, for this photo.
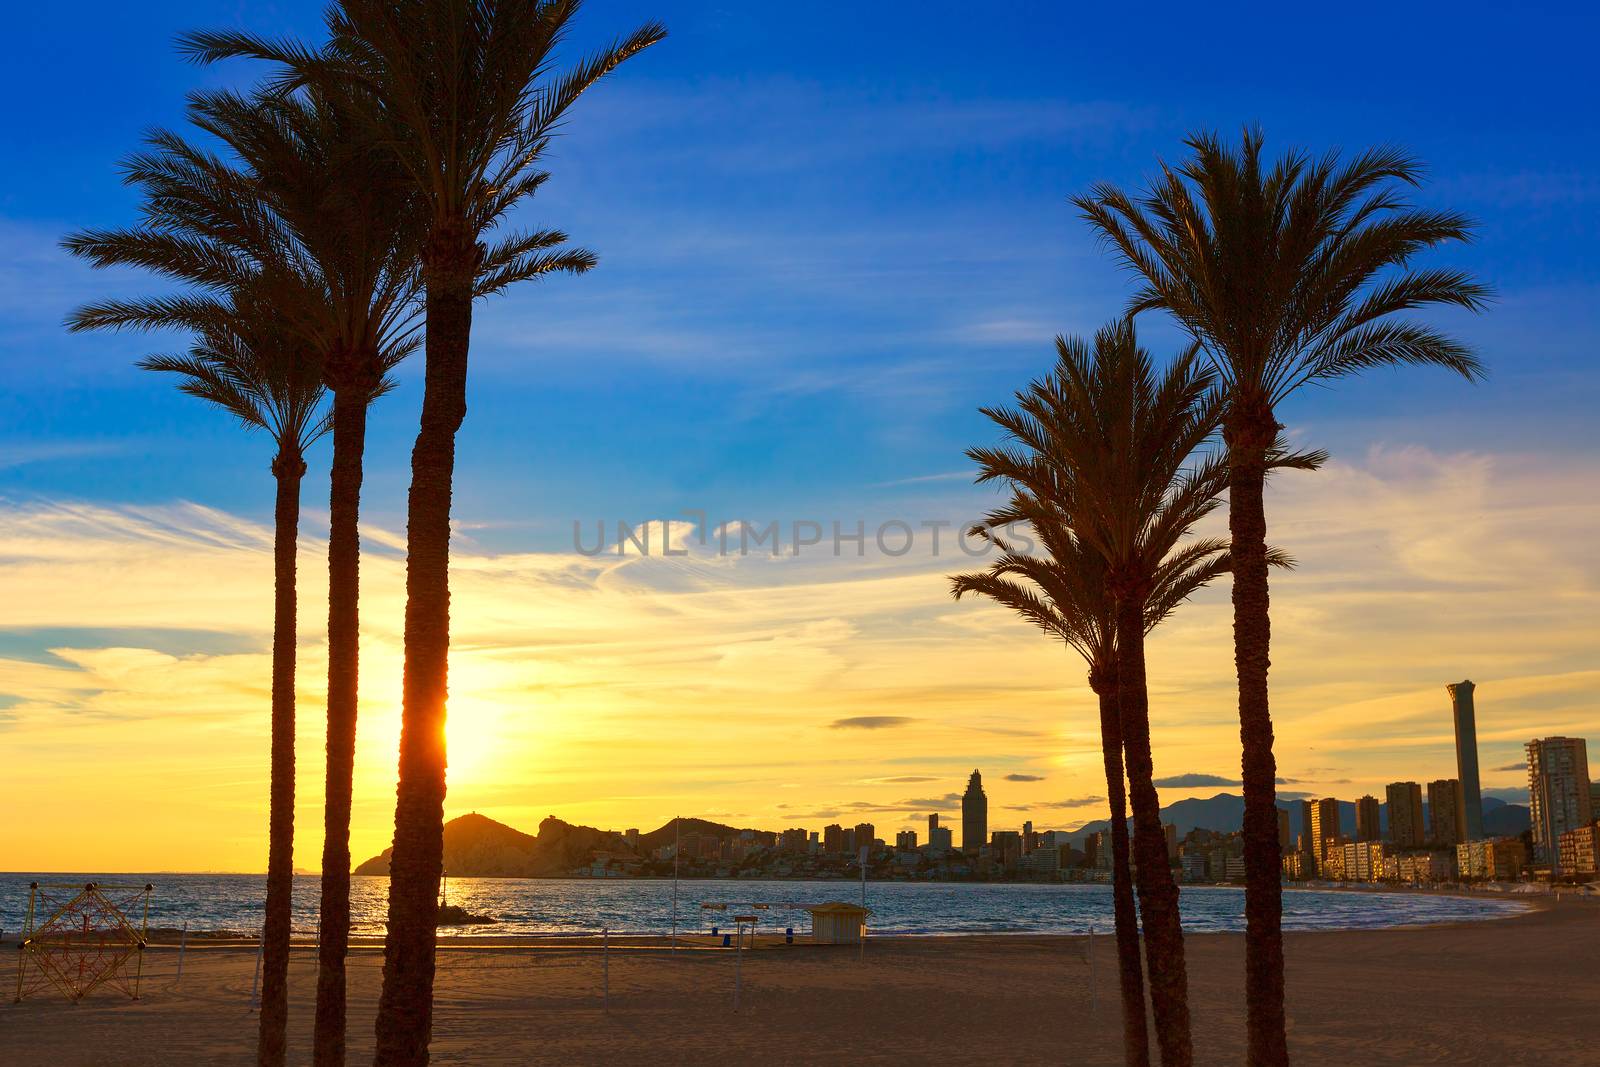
<point x="824" y="243"/>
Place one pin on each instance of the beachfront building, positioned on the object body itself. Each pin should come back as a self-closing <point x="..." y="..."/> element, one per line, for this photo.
<point x="1367" y="819"/>
<point x="1421" y="868"/>
<point x="1283" y="830"/>
<point x="1361" y="861"/>
<point x="1499" y="859"/>
<point x="1558" y="794"/>
<point x="1324" y="825"/>
<point x="1298" y="866"/>
<point x="1580" y="850"/>
<point x="1045" y="862"/>
<point x="974" y="815"/>
<point x="833" y="838"/>
<point x="1444" y="813"/>
<point x="1467" y="759"/>
<point x="1406" y="828"/>
<point x="1005" y="848"/>
<point x="939" y="839"/>
<point x="906" y="841"/>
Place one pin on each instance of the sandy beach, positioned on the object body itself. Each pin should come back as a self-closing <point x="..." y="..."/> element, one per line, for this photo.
<point x="1518" y="990"/>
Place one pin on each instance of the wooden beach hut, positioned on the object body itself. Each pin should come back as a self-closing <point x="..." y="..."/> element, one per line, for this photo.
<point x="838" y="923"/>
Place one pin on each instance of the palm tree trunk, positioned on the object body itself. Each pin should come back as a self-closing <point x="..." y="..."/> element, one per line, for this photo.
<point x="288" y="468"/>
<point x="1252" y="634"/>
<point x="1158" y="893"/>
<point x="344" y="649"/>
<point x="405" y="1008"/>
<point x="1135" y="1027"/>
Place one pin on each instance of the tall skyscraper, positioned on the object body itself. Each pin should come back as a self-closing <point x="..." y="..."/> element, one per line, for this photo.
<point x="1324" y="826"/>
<point x="1467" y="760"/>
<point x="1405" y="814"/>
<point x="1446" y="825"/>
<point x="1307" y="843"/>
<point x="974" y="815"/>
<point x="1283" y="830"/>
<point x="1558" y="793"/>
<point x="933" y="826"/>
<point x="1367" y="819"/>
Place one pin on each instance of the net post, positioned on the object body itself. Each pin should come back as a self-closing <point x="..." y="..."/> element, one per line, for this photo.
<point x="255" y="982"/>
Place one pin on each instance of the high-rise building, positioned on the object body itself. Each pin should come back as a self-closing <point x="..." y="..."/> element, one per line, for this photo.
<point x="1283" y="830"/>
<point x="974" y="815"/>
<point x="866" y="835"/>
<point x="933" y="826"/>
<point x="1446" y="825"/>
<point x="1307" y="844"/>
<point x="1093" y="845"/>
<point x="1030" y="838"/>
<point x="833" y="838"/>
<point x="1324" y="826"/>
<point x="906" y="841"/>
<point x="1558" y="793"/>
<point x="1405" y="814"/>
<point x="939" y="839"/>
<point x="1367" y="819"/>
<point x="1170" y="832"/>
<point x="1467" y="760"/>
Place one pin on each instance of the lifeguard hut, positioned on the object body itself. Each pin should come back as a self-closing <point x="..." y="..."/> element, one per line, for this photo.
<point x="838" y="923"/>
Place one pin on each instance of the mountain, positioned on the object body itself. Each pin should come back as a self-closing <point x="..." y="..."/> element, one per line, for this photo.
<point x="1224" y="813"/>
<point x="476" y="846"/>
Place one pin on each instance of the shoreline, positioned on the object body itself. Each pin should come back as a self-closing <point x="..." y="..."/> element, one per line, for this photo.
<point x="1396" y="996"/>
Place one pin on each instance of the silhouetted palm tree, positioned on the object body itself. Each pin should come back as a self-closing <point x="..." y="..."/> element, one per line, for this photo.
<point x="348" y="211"/>
<point x="1064" y="594"/>
<point x="244" y="363"/>
<point x="311" y="212"/>
<point x="467" y="99"/>
<point x="1107" y="446"/>
<point x="1285" y="276"/>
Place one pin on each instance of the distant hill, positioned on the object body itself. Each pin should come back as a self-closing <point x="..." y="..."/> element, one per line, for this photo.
<point x="476" y="846"/>
<point x="1224" y="813"/>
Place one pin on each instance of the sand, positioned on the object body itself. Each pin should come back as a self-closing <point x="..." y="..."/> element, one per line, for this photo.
<point x="1511" y="991"/>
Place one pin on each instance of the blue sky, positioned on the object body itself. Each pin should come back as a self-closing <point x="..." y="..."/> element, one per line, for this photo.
<point x="824" y="242"/>
<point x="827" y="236"/>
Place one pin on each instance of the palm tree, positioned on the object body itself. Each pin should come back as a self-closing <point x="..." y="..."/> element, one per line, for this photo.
<point x="1107" y="446"/>
<point x="244" y="363"/>
<point x="1284" y="277"/>
<point x="311" y="209"/>
<point x="465" y="96"/>
<point x="348" y="212"/>
<point x="1064" y="595"/>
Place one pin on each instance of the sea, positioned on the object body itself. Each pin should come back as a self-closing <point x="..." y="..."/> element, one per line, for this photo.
<point x="233" y="903"/>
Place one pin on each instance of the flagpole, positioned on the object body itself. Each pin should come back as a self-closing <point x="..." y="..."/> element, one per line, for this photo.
<point x="675" y="848"/>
